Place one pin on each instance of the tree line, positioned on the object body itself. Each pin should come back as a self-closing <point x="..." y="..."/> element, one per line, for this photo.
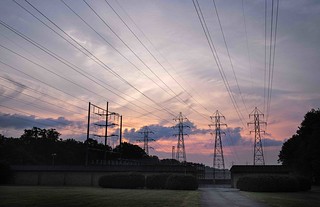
<point x="38" y="146"/>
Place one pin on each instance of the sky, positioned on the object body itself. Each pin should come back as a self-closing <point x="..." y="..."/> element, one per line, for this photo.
<point x="151" y="60"/>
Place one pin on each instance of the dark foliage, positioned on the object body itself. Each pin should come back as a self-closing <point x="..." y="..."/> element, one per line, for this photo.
<point x="124" y="181"/>
<point x="170" y="162"/>
<point x="44" y="147"/>
<point x="157" y="181"/>
<point x="130" y="151"/>
<point x="301" y="151"/>
<point x="304" y="183"/>
<point x="182" y="182"/>
<point x="5" y="173"/>
<point x="275" y="183"/>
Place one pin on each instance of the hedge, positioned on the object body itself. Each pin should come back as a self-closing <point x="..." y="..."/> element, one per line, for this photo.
<point x="5" y="173"/>
<point x="157" y="181"/>
<point x="182" y="182"/>
<point x="274" y="183"/>
<point x="304" y="183"/>
<point x="125" y="181"/>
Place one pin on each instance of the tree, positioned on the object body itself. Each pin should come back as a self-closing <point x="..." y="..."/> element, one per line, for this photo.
<point x="301" y="151"/>
<point x="36" y="133"/>
<point x="130" y="151"/>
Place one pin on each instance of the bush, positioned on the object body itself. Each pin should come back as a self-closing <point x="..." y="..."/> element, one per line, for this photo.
<point x="5" y="173"/>
<point x="304" y="183"/>
<point x="125" y="181"/>
<point x="182" y="182"/>
<point x="157" y="181"/>
<point x="274" y="183"/>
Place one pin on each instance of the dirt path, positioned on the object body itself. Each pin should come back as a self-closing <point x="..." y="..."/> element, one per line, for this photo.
<point x="225" y="196"/>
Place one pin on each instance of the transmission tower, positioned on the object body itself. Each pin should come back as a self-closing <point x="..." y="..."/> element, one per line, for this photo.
<point x="181" y="152"/>
<point x="145" y="131"/>
<point x="218" y="159"/>
<point x="258" y="158"/>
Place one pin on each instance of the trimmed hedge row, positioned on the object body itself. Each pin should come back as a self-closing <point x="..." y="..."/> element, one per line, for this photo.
<point x="182" y="182"/>
<point x="5" y="173"/>
<point x="274" y="183"/>
<point x="156" y="181"/>
<point x="125" y="181"/>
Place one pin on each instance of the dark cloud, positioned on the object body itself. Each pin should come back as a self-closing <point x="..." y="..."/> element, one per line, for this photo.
<point x="233" y="137"/>
<point x="18" y="121"/>
<point x="268" y="142"/>
<point x="164" y="132"/>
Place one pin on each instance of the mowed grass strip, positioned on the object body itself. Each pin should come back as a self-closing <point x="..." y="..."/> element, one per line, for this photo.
<point x="94" y="196"/>
<point x="291" y="199"/>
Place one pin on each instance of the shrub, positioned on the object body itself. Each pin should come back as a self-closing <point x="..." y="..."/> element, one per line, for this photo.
<point x="157" y="181"/>
<point x="304" y="183"/>
<point x="5" y="173"/>
<point x="263" y="183"/>
<point x="182" y="182"/>
<point x="125" y="181"/>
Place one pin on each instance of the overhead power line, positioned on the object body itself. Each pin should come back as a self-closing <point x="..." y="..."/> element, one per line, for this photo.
<point x="156" y="59"/>
<point x="217" y="60"/>
<point x="229" y="56"/>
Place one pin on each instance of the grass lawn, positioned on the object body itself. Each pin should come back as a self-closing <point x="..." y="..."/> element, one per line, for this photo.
<point x="94" y="196"/>
<point x="294" y="199"/>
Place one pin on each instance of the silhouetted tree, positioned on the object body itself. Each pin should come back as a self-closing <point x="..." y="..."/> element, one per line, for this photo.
<point x="302" y="150"/>
<point x="130" y="151"/>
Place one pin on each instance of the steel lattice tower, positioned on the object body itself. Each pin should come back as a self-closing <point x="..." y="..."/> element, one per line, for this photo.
<point x="146" y="131"/>
<point x="258" y="158"/>
<point x="218" y="159"/>
<point x="181" y="152"/>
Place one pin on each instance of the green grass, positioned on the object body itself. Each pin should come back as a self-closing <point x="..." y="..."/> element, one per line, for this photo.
<point x="293" y="199"/>
<point x="90" y="196"/>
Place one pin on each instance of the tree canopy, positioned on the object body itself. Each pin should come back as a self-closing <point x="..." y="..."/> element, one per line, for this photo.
<point x="302" y="150"/>
<point x="38" y="146"/>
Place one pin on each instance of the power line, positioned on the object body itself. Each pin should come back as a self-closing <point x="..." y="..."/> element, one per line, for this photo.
<point x="247" y="41"/>
<point x="183" y="88"/>
<point x="272" y="57"/>
<point x="153" y="56"/>
<point x="36" y="98"/>
<point x="67" y="63"/>
<point x="95" y="59"/>
<point x="33" y="116"/>
<point x="56" y="57"/>
<point x="226" y="45"/>
<point x="44" y="94"/>
<point x="216" y="58"/>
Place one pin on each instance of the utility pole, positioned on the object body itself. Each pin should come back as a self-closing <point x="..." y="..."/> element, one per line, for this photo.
<point x="145" y="132"/>
<point x="120" y="135"/>
<point x="97" y="127"/>
<point x="173" y="153"/>
<point x="258" y="158"/>
<point x="181" y="152"/>
<point x="218" y="159"/>
<point x="106" y="129"/>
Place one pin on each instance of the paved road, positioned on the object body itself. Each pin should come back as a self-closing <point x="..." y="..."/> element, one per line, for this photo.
<point x="225" y="196"/>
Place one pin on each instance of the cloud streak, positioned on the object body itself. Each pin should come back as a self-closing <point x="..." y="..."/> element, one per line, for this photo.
<point x="18" y="121"/>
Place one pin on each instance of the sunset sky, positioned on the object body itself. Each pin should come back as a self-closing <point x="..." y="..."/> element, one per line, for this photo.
<point x="152" y="60"/>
